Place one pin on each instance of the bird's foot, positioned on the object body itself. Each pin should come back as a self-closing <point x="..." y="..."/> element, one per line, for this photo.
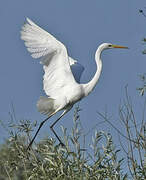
<point x="61" y="144"/>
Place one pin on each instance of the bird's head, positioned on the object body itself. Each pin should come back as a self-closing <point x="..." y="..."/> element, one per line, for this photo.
<point x="110" y="46"/>
<point x="105" y="46"/>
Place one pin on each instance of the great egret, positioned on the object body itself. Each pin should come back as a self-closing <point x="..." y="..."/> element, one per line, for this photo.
<point x="62" y="73"/>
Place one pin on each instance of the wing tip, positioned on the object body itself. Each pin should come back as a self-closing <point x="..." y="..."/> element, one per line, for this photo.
<point x="29" y="21"/>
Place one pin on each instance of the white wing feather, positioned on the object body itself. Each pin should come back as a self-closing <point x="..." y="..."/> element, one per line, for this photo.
<point x="56" y="63"/>
<point x="38" y="41"/>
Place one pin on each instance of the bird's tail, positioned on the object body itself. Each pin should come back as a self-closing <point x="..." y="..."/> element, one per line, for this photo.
<point x="45" y="105"/>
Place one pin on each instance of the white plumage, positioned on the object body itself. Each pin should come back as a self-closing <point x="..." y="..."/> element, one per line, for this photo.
<point x="56" y="63"/>
<point x="62" y="73"/>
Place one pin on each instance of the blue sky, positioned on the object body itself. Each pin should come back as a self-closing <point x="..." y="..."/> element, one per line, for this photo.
<point x="81" y="25"/>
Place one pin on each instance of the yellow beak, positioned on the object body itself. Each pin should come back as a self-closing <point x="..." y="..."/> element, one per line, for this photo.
<point x="117" y="46"/>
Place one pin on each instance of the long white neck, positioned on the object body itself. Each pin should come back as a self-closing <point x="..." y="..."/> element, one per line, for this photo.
<point x="88" y="88"/>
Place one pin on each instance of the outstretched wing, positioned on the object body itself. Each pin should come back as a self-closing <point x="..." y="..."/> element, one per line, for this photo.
<point x="55" y="60"/>
<point x="76" y="68"/>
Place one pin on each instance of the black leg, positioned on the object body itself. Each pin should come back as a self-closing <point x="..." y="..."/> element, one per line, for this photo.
<point x="38" y="131"/>
<point x="51" y="127"/>
<point x="57" y="136"/>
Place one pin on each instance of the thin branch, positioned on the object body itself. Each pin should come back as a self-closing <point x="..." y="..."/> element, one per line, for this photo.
<point x="116" y="128"/>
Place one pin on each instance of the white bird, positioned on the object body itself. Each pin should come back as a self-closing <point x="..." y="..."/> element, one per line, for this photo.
<point x="62" y="73"/>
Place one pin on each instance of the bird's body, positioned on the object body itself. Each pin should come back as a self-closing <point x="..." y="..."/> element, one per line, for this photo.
<point x="61" y="79"/>
<point x="64" y="91"/>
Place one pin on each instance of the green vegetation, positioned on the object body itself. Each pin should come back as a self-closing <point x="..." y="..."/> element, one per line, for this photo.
<point x="142" y="89"/>
<point x="78" y="160"/>
<point x="46" y="160"/>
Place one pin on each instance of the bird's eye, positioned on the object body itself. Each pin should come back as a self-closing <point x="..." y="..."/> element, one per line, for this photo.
<point x="109" y="45"/>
